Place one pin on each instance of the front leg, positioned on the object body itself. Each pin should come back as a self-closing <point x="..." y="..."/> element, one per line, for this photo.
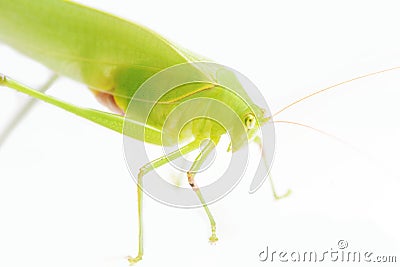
<point x="143" y="171"/>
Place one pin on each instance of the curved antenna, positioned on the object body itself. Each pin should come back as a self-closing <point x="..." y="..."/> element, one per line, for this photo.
<point x="331" y="87"/>
<point x="335" y="138"/>
<point x="314" y="129"/>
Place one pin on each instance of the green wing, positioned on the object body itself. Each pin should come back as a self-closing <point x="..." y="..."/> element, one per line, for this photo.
<point x="105" y="52"/>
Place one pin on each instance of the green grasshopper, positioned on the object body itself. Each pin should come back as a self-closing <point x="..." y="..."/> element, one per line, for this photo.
<point x="114" y="58"/>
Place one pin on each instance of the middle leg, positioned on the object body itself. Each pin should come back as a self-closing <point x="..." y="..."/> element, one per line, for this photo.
<point x="200" y="159"/>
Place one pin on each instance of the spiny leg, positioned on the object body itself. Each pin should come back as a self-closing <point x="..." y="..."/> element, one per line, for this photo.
<point x="200" y="159"/>
<point x="24" y="110"/>
<point x="143" y="171"/>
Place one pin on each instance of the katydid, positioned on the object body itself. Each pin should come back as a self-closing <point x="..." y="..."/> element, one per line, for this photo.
<point x="114" y="58"/>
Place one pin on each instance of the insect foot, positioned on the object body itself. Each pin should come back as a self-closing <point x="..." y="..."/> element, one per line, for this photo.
<point x="279" y="197"/>
<point x="213" y="238"/>
<point x="132" y="261"/>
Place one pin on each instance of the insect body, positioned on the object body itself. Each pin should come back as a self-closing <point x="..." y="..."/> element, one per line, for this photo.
<point x="114" y="58"/>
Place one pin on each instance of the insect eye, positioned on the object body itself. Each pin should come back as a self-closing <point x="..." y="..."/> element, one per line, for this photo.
<point x="250" y="121"/>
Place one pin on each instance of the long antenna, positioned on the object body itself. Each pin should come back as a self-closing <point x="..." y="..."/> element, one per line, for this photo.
<point x="333" y="86"/>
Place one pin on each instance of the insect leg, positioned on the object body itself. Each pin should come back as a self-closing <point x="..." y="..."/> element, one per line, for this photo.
<point x="276" y="196"/>
<point x="24" y="110"/>
<point x="257" y="140"/>
<point x="112" y="121"/>
<point x="190" y="174"/>
<point x="143" y="171"/>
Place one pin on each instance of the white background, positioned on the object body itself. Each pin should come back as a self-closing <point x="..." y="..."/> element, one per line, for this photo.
<point x="66" y="197"/>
